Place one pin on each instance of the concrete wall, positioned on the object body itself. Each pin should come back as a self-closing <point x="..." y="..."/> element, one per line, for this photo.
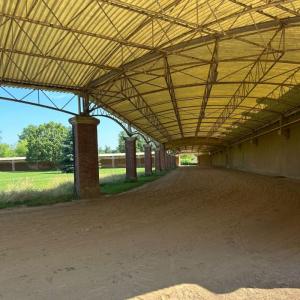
<point x="272" y="154"/>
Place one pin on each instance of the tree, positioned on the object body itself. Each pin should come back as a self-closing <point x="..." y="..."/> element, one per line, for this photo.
<point x="21" y="148"/>
<point x="6" y="150"/>
<point x="45" y="142"/>
<point x="121" y="142"/>
<point x="67" y="160"/>
<point x="107" y="149"/>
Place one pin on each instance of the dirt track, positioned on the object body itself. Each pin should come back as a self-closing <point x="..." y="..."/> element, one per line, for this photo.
<point x="194" y="234"/>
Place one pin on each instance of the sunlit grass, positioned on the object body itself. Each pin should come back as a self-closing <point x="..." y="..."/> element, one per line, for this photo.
<point x="40" y="180"/>
<point x="34" y="188"/>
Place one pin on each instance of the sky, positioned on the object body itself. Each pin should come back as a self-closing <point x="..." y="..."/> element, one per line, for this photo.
<point x="15" y="116"/>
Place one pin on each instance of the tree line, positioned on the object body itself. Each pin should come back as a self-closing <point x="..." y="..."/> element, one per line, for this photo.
<point x="53" y="143"/>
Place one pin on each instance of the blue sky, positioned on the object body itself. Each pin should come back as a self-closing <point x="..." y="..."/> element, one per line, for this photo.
<point x="15" y="116"/>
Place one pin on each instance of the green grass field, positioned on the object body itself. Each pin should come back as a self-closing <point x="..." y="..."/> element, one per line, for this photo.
<point x="34" y="188"/>
<point x="39" y="180"/>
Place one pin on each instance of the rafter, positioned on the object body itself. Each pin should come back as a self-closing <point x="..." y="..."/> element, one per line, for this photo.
<point x="130" y="93"/>
<point x="210" y="38"/>
<point x="257" y="73"/>
<point x="152" y="14"/>
<point x="56" y="58"/>
<point x="170" y="87"/>
<point x="74" y="30"/>
<point x="212" y="78"/>
<point x="40" y="98"/>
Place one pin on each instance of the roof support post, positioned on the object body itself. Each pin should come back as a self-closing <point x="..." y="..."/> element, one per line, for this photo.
<point x="130" y="151"/>
<point x="174" y="161"/>
<point x="162" y="157"/>
<point x="157" y="160"/>
<point x="148" y="159"/>
<point x="86" y="164"/>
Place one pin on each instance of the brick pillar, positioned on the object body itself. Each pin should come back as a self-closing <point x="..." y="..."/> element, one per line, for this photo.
<point x="177" y="162"/>
<point x="167" y="161"/>
<point x="162" y="157"/>
<point x="130" y="150"/>
<point x="157" y="160"/>
<point x="148" y="159"/>
<point x="198" y="160"/>
<point x="173" y="162"/>
<point x="86" y="156"/>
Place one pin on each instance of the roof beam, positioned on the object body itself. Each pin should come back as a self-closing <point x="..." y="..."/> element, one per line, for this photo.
<point x="55" y="58"/>
<point x="129" y="91"/>
<point x="235" y="15"/>
<point x="190" y="141"/>
<point x="257" y="73"/>
<point x="137" y="30"/>
<point x="212" y="78"/>
<point x="184" y="86"/>
<point x="75" y="31"/>
<point x="151" y="13"/>
<point x="170" y="86"/>
<point x="229" y="34"/>
<point x="260" y="11"/>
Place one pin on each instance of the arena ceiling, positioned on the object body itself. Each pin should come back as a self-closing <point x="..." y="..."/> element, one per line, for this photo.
<point x="192" y="74"/>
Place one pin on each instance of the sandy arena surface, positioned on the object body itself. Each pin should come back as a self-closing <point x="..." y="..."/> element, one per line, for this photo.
<point x="194" y="234"/>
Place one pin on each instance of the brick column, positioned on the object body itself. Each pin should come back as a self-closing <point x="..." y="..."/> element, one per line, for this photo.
<point x="130" y="150"/>
<point x="178" y="160"/>
<point x="162" y="157"/>
<point x="86" y="156"/>
<point x="173" y="161"/>
<point x="157" y="161"/>
<point x="167" y="161"/>
<point x="148" y="159"/>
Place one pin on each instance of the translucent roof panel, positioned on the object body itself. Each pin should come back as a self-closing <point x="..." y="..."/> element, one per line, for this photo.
<point x="178" y="70"/>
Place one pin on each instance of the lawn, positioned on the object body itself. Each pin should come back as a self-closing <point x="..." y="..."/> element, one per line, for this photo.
<point x="34" y="188"/>
<point x="39" y="180"/>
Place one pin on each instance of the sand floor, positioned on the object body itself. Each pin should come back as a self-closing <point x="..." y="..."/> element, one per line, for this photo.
<point x="194" y="234"/>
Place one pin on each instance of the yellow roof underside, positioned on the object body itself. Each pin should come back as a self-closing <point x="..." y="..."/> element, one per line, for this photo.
<point x="176" y="69"/>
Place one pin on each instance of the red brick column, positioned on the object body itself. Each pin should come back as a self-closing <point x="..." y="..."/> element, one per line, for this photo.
<point x="130" y="150"/>
<point x="167" y="161"/>
<point x="86" y="156"/>
<point x="173" y="163"/>
<point x="148" y="159"/>
<point x="157" y="160"/>
<point x="177" y="158"/>
<point x="162" y="157"/>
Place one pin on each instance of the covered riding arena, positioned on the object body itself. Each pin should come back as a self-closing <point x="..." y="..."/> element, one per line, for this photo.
<point x="219" y="79"/>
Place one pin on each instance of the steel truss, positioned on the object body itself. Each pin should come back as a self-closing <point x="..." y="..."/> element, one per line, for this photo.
<point x="128" y="90"/>
<point x="74" y="105"/>
<point x="274" y="50"/>
<point x="212" y="78"/>
<point x="170" y="86"/>
<point x="107" y="84"/>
